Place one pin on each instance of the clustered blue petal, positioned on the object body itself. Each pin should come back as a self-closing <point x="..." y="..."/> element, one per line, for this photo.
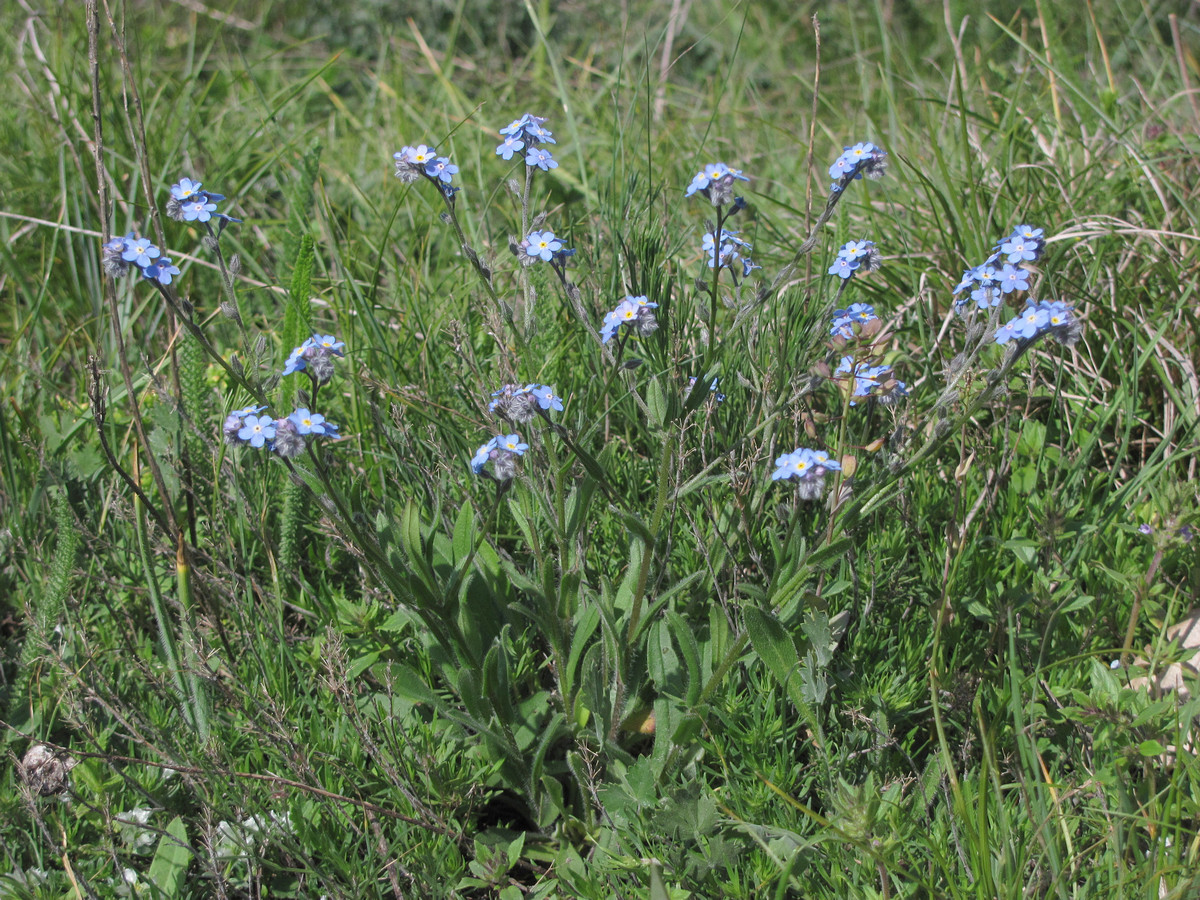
<point x="1053" y="319"/>
<point x="844" y="320"/>
<point x="422" y="161"/>
<point x="806" y="467"/>
<point x="1004" y="271"/>
<point x="540" y="159"/>
<point x="124" y="254"/>
<point x="733" y="250"/>
<point x="189" y="203"/>
<point x="855" y="257"/>
<point x="715" y="181"/>
<point x="545" y="246"/>
<point x="545" y="397"/>
<point x="502" y="452"/>
<point x="876" y="382"/>
<point x="635" y="312"/>
<point x="285" y="437"/>
<point x="315" y="355"/>
<point x="863" y="159"/>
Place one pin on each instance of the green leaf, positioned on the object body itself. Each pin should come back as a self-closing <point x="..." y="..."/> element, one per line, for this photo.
<point x="682" y="632"/>
<point x="361" y="664"/>
<point x="775" y="648"/>
<point x="464" y="533"/>
<point x="1151" y="748"/>
<point x="656" y="401"/>
<point x="169" y="867"/>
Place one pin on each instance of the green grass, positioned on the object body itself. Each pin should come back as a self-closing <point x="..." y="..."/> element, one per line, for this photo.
<point x="643" y="668"/>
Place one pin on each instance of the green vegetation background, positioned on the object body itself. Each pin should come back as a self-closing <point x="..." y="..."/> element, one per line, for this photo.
<point x="965" y="736"/>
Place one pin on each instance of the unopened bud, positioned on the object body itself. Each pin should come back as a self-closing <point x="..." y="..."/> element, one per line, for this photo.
<point x="235" y="264"/>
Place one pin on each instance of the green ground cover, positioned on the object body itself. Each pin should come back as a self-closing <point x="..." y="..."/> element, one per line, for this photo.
<point x="623" y="659"/>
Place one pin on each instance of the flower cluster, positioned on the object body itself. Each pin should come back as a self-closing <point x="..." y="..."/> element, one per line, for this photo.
<point x="502" y="452"/>
<point x="315" y="356"/>
<point x="860" y="314"/>
<point x="636" y="312"/>
<point x="1004" y="272"/>
<point x="808" y="467"/>
<point x="520" y="405"/>
<point x="120" y="255"/>
<point x="862" y="159"/>
<point x="286" y="437"/>
<point x="545" y="246"/>
<point x="733" y="249"/>
<point x="525" y="134"/>
<point x="414" y="162"/>
<point x="855" y="257"/>
<point x="715" y="181"/>
<point x="875" y="382"/>
<point x="1045" y="318"/>
<point x="189" y="203"/>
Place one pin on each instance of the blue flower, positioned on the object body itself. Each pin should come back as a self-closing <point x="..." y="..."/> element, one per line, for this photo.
<point x="538" y="134"/>
<point x="112" y="256"/>
<point x="529" y="128"/>
<point x="1008" y="330"/>
<point x="295" y="361"/>
<point x="1031" y="321"/>
<point x="636" y="312"/>
<point x="1019" y="250"/>
<point x="862" y="159"/>
<point x="861" y="312"/>
<point x="140" y="252"/>
<point x="502" y="452"/>
<point x="510" y="145"/>
<point x="731" y="244"/>
<point x="715" y="181"/>
<point x="161" y="270"/>
<point x="185" y="189"/>
<point x="235" y="421"/>
<point x="420" y="155"/>
<point x="843" y="268"/>
<point x="307" y="422"/>
<point x="257" y="430"/>
<point x="328" y="342"/>
<point x="855" y="249"/>
<point x="1046" y="318"/>
<point x="876" y="382"/>
<point x="513" y="444"/>
<point x="855" y="258"/>
<point x="482" y="455"/>
<point x="414" y="162"/>
<point x="541" y="159"/>
<point x="188" y="203"/>
<point x="441" y="169"/>
<point x="544" y="396"/>
<point x="808" y="468"/>
<point x="315" y="354"/>
<point x="711" y="173"/>
<point x="845" y="319"/>
<point x="197" y="210"/>
<point x="541" y="245"/>
<point x="1013" y="279"/>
